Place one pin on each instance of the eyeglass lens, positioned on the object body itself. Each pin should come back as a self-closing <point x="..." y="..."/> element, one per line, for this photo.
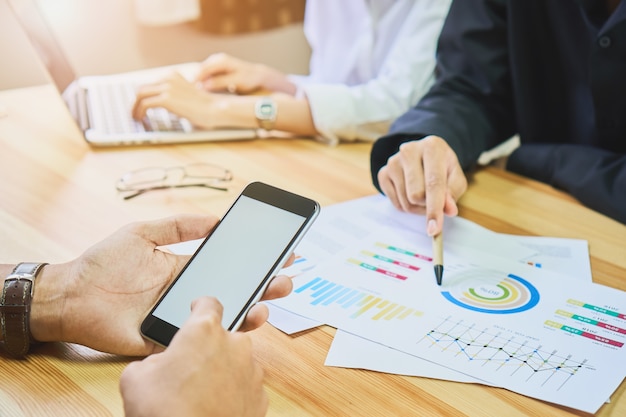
<point x="174" y="176"/>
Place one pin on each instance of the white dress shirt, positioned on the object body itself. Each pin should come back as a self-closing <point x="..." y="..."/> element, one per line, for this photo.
<point x="371" y="61"/>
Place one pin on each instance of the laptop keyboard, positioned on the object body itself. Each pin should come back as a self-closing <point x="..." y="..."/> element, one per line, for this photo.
<point x="159" y="119"/>
<point x="112" y="112"/>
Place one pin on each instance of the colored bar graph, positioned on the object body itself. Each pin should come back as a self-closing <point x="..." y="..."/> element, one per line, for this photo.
<point x="354" y="300"/>
<point x="591" y="321"/>
<point x="404" y="251"/>
<point x="597" y="309"/>
<point x="377" y="269"/>
<point x="578" y="332"/>
<point x="325" y="293"/>
<point x="408" y="312"/>
<point x="384" y="311"/>
<point x="395" y="312"/>
<point x="366" y="304"/>
<point x="390" y="260"/>
<point x="343" y="291"/>
<point x="311" y="283"/>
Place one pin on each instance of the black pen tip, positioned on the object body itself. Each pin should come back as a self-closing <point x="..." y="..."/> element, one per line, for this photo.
<point x="439" y="273"/>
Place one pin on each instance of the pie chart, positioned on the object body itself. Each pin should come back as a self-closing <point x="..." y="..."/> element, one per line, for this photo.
<point x="491" y="292"/>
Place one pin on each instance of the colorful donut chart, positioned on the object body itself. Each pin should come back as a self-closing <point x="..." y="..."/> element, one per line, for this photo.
<point x="508" y="295"/>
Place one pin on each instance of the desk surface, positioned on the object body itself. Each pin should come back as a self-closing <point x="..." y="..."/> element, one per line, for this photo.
<point x="58" y="198"/>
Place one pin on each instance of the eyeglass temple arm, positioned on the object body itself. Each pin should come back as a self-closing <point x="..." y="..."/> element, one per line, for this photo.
<point x="164" y="187"/>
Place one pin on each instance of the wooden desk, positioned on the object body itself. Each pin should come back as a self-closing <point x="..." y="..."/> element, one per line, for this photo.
<point x="57" y="197"/>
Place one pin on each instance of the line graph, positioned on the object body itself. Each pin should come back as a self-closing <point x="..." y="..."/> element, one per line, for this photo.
<point x="496" y="350"/>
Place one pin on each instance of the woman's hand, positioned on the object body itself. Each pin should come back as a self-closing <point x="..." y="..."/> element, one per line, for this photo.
<point x="224" y="73"/>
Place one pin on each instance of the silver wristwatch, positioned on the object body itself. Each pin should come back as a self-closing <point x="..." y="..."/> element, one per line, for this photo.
<point x="265" y="111"/>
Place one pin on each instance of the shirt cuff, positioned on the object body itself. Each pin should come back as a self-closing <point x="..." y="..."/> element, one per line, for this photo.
<point x="331" y="108"/>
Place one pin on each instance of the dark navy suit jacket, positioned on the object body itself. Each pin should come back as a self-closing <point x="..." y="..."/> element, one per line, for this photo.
<point x="553" y="72"/>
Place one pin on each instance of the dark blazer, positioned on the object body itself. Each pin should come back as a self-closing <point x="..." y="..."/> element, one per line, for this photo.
<point x="552" y="71"/>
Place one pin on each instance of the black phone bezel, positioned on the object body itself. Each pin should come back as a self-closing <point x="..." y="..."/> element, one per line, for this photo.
<point x="162" y="332"/>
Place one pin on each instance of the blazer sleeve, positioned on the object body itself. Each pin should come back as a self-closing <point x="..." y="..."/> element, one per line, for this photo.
<point x="596" y="177"/>
<point x="470" y="105"/>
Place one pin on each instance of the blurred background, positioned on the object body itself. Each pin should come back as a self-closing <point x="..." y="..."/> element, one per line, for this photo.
<point x="109" y="36"/>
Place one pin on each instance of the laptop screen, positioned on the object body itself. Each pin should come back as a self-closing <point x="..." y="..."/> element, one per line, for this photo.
<point x="44" y="42"/>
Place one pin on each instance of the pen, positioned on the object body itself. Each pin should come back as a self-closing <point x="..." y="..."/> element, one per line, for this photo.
<point x="438" y="256"/>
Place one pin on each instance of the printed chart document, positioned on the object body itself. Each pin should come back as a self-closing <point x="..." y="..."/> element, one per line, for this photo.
<point x="502" y="317"/>
<point x="566" y="256"/>
<point x="495" y="319"/>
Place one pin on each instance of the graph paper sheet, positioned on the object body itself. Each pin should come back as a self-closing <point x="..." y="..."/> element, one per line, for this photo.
<point x="495" y="319"/>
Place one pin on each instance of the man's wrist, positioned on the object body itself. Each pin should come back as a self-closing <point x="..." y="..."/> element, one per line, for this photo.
<point x="5" y="270"/>
<point x="16" y="298"/>
<point x="48" y="304"/>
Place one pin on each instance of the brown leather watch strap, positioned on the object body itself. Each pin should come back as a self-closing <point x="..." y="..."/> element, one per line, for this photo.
<point x="15" y="302"/>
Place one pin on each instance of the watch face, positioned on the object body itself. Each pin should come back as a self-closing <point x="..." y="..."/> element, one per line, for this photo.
<point x="265" y="112"/>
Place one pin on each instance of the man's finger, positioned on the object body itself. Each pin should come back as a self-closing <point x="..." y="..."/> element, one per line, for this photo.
<point x="177" y="229"/>
<point x="435" y="184"/>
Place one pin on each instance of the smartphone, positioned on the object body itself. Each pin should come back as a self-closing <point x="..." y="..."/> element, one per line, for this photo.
<point x="236" y="262"/>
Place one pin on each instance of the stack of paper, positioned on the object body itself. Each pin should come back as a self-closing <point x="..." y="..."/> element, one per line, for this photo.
<point x="515" y="312"/>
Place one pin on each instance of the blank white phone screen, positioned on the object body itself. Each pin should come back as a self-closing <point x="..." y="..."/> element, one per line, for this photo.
<point x="234" y="260"/>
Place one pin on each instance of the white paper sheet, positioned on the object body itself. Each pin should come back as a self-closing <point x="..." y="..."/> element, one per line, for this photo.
<point x="392" y="267"/>
<point x="562" y="338"/>
<point x="566" y="256"/>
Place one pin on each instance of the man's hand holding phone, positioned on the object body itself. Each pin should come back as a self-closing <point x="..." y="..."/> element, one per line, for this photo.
<point x="100" y="298"/>
<point x="237" y="262"/>
<point x="222" y="378"/>
<point x="280" y="286"/>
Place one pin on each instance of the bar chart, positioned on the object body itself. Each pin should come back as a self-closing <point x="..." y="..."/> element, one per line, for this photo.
<point x="355" y="302"/>
<point x="601" y="325"/>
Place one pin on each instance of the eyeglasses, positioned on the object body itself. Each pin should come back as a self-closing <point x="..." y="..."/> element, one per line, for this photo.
<point x="194" y="175"/>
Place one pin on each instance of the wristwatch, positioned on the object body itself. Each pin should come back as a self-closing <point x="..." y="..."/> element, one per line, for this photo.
<point x="17" y="294"/>
<point x="265" y="111"/>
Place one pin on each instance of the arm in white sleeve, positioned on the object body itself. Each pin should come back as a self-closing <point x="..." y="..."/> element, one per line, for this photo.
<point x="343" y="112"/>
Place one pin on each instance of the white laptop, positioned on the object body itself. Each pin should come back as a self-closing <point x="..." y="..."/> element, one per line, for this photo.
<point x="101" y="105"/>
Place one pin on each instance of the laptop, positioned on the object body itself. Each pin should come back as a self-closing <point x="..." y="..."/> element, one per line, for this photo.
<point x="102" y="104"/>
